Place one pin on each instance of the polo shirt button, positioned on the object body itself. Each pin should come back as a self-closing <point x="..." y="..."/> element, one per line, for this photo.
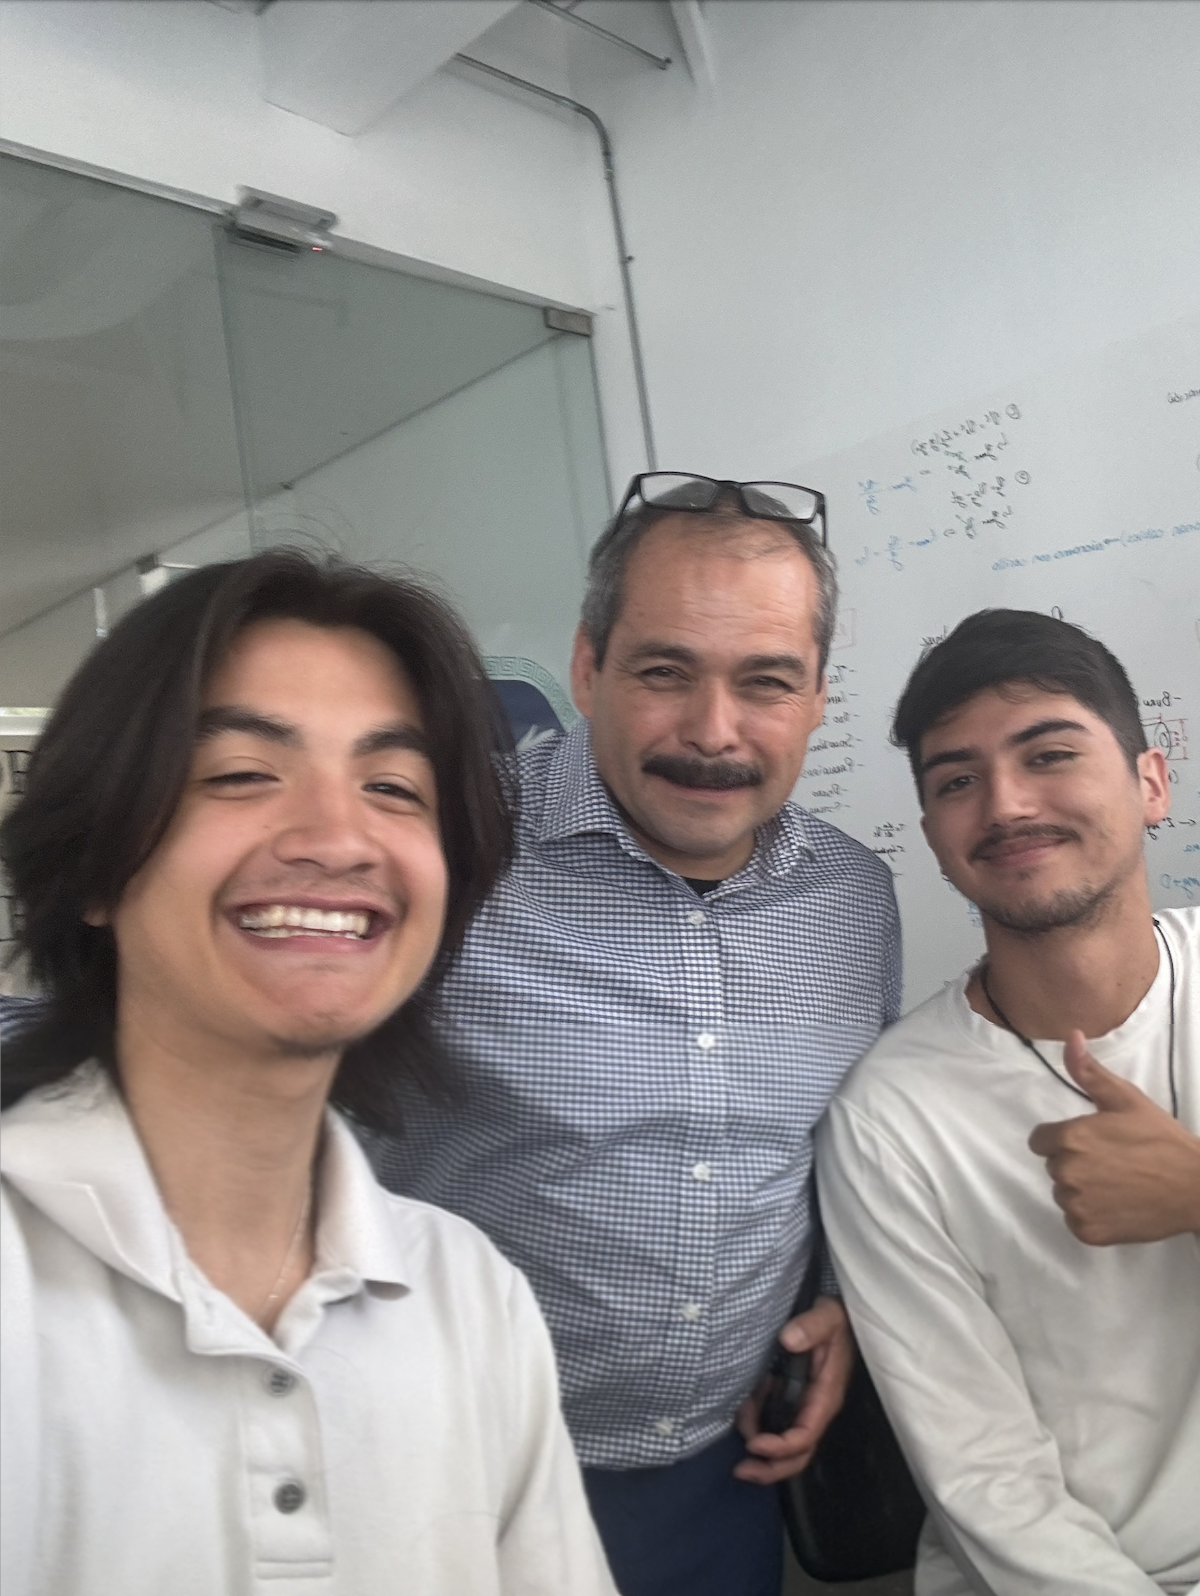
<point x="701" y="1171"/>
<point x="290" y="1496"/>
<point x="665" y="1426"/>
<point x="691" y="1311"/>
<point x="697" y="917"/>
<point x="706" y="1040"/>
<point x="279" y="1381"/>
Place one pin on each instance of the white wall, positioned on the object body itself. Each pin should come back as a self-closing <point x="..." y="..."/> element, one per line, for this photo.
<point x="171" y="91"/>
<point x="883" y="207"/>
<point x="877" y="209"/>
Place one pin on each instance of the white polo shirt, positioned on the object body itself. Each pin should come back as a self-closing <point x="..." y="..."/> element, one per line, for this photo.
<point x="1047" y="1392"/>
<point x="402" y="1432"/>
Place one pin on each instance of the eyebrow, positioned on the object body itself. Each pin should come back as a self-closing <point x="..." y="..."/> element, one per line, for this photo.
<point x="399" y="734"/>
<point x="236" y="718"/>
<point x="1028" y="734"/>
<point x="688" y="656"/>
<point x="775" y="662"/>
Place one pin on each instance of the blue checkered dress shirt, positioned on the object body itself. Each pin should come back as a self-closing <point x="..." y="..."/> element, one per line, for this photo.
<point x="645" y="1068"/>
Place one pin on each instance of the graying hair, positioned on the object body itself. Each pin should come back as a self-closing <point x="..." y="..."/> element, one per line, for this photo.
<point x="611" y="553"/>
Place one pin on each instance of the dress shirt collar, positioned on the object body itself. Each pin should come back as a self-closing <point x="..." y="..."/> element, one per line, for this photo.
<point x="72" y="1151"/>
<point x="576" y="802"/>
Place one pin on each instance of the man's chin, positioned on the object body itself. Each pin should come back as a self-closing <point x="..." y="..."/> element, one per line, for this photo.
<point x="1075" y="907"/>
<point x="323" y="1035"/>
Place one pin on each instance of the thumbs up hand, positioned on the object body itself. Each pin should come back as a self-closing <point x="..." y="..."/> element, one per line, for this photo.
<point x="1128" y="1172"/>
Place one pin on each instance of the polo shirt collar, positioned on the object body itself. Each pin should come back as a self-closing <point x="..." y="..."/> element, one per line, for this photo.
<point x="71" y="1150"/>
<point x="577" y="802"/>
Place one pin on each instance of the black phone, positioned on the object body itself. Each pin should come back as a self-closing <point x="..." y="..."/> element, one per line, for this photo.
<point x="786" y="1379"/>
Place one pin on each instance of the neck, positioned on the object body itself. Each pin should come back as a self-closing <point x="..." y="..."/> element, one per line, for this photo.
<point x="707" y="867"/>
<point x="232" y="1142"/>
<point x="1087" y="978"/>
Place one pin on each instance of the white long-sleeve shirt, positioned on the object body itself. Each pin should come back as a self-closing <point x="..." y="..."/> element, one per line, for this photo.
<point x="1047" y="1393"/>
<point x="401" y="1434"/>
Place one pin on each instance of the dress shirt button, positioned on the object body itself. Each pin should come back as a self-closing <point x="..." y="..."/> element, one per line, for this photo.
<point x="665" y="1426"/>
<point x="691" y="1311"/>
<point x="701" y="1171"/>
<point x="279" y="1381"/>
<point x="290" y="1496"/>
<point x="706" y="1040"/>
<point x="697" y="917"/>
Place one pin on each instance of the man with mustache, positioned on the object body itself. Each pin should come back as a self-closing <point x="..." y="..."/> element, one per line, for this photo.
<point x="655" y="1008"/>
<point x="1034" y="1327"/>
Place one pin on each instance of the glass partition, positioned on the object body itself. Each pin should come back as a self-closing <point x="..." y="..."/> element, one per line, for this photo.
<point x="176" y="393"/>
<point x="400" y="419"/>
<point x="118" y="437"/>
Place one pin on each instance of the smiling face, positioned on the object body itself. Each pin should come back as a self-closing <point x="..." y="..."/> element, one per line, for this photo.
<point x="1033" y="810"/>
<point x="709" y="690"/>
<point x="298" y="896"/>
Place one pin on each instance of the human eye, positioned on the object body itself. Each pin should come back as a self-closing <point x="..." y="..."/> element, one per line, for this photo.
<point x="1046" y="757"/>
<point x="397" y="791"/>
<point x="954" y="784"/>
<point x="660" y="676"/>
<point x="769" y="686"/>
<point x="236" y="783"/>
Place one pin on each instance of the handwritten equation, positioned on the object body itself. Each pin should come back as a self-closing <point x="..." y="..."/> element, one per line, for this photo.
<point x="832" y="765"/>
<point x="968" y="483"/>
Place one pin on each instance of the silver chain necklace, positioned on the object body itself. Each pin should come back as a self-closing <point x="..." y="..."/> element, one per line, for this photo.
<point x="264" y="1313"/>
<point x="1065" y="1079"/>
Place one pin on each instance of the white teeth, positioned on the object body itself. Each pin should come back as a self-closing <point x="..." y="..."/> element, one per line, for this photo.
<point x="283" y="920"/>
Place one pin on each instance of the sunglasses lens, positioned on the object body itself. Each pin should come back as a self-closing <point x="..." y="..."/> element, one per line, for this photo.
<point x="781" y="499"/>
<point x="677" y="491"/>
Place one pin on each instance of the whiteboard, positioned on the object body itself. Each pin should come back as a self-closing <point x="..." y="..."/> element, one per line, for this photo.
<point x="1076" y="493"/>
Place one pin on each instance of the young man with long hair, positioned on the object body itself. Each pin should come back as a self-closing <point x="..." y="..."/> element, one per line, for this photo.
<point x="253" y="834"/>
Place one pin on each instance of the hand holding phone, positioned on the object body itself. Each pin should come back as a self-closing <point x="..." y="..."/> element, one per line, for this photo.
<point x="786" y="1379"/>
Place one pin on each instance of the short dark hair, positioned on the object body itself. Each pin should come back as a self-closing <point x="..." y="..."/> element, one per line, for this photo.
<point x="110" y="768"/>
<point x="612" y="550"/>
<point x="994" y="648"/>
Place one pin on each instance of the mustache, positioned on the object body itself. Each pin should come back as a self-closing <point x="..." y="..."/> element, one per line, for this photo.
<point x="712" y="773"/>
<point x="995" y="840"/>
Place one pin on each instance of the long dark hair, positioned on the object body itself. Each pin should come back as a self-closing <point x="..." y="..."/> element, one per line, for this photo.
<point x="111" y="766"/>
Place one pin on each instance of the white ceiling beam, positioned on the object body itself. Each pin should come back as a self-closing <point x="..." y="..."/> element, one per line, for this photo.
<point x="695" y="41"/>
<point x="343" y="63"/>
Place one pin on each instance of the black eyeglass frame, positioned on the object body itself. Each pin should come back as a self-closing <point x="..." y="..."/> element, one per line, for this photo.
<point x="634" y="490"/>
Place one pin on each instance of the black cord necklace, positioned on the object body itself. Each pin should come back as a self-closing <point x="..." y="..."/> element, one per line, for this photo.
<point x="1057" y="1074"/>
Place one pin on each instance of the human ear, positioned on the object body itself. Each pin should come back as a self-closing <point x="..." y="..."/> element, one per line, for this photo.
<point x="1155" y="782"/>
<point x="583" y="672"/>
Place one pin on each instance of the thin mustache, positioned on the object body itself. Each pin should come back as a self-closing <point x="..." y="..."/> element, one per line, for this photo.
<point x="717" y="773"/>
<point x="997" y="839"/>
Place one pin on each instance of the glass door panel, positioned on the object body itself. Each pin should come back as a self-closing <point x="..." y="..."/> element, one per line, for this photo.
<point x="401" y="420"/>
<point x="119" y="436"/>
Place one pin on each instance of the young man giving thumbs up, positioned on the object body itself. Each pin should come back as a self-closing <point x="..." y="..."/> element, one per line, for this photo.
<point x="1012" y="1207"/>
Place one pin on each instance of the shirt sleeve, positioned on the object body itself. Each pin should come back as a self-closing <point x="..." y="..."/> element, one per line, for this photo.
<point x="548" y="1543"/>
<point x="951" y="1381"/>
<point x="893" y="959"/>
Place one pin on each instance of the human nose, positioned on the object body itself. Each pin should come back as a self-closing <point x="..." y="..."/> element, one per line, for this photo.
<point x="710" y="724"/>
<point x="326" y="825"/>
<point x="1010" y="796"/>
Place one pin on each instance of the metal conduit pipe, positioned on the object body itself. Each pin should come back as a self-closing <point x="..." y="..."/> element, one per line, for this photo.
<point x="662" y="62"/>
<point x="623" y="256"/>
